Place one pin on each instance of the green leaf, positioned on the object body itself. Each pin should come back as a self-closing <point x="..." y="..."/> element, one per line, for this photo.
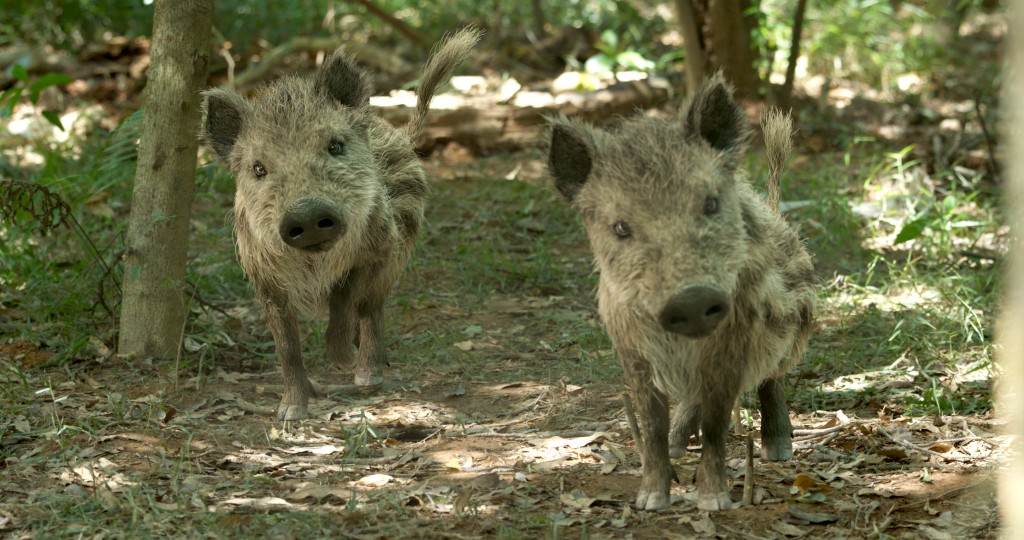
<point x="610" y="38"/>
<point x="912" y="230"/>
<point x="46" y="81"/>
<point x="634" y="60"/>
<point x="54" y="119"/>
<point x="599" y="63"/>
<point x="9" y="100"/>
<point x="19" y="72"/>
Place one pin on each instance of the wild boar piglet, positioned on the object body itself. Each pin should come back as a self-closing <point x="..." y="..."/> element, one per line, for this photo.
<point x="328" y="202"/>
<point x="705" y="290"/>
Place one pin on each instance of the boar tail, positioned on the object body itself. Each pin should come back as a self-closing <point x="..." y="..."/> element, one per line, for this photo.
<point x="778" y="142"/>
<point x="447" y="56"/>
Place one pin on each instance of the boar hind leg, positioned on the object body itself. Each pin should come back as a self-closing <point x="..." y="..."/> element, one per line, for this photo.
<point x="685" y="423"/>
<point x="341" y="325"/>
<point x="712" y="484"/>
<point x="372" y="357"/>
<point x="652" y="408"/>
<point x="284" y="326"/>
<point x="776" y="431"/>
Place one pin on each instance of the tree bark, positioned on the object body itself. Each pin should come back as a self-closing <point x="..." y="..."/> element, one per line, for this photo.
<point x="154" y="307"/>
<point x="696" y="60"/>
<point x="728" y="44"/>
<point x="1011" y="319"/>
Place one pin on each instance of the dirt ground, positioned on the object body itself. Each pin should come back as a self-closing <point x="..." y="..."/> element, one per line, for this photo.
<point x="501" y="416"/>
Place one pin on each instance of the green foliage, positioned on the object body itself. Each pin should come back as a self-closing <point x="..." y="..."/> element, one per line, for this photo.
<point x="34" y="87"/>
<point x="616" y="56"/>
<point x="72" y="24"/>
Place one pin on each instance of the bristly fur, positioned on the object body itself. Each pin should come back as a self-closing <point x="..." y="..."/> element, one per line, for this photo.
<point x="666" y="208"/>
<point x="372" y="180"/>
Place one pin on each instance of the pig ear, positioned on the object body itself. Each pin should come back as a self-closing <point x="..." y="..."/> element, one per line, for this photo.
<point x="714" y="117"/>
<point x="342" y="80"/>
<point x="570" y="159"/>
<point x="223" y="115"/>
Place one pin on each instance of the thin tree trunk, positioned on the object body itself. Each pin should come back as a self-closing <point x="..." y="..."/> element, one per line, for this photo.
<point x="538" y="19"/>
<point x="1011" y="320"/>
<point x="153" y="309"/>
<point x="696" y="60"/>
<point x="794" y="53"/>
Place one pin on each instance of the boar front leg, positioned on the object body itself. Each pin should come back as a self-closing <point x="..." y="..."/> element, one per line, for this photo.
<point x="341" y="324"/>
<point x="712" y="485"/>
<point x="284" y="326"/>
<point x="776" y="431"/>
<point x="652" y="408"/>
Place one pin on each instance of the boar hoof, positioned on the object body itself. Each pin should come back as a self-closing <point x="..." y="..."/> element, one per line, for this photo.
<point x="777" y="450"/>
<point x="713" y="502"/>
<point x="650" y="500"/>
<point x="291" y="411"/>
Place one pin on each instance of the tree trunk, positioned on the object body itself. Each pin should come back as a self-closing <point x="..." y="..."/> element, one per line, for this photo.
<point x="538" y="19"/>
<point x="154" y="308"/>
<point x="696" y="60"/>
<point x="716" y="34"/>
<point x="728" y="45"/>
<point x="794" y="53"/>
<point x="1011" y="320"/>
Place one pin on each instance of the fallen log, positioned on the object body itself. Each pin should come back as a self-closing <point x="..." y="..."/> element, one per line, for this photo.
<point x="494" y="123"/>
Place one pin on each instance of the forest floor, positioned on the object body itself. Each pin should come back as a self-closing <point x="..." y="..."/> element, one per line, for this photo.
<point x="501" y="415"/>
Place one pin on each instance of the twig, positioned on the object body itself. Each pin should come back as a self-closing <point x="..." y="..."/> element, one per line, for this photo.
<point x="809" y="434"/>
<point x="633" y="428"/>
<point x="989" y="142"/>
<point x="914" y="447"/>
<point x="748" y="480"/>
<point x="529" y="406"/>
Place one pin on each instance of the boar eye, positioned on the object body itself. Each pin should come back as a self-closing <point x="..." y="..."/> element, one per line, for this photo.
<point x="710" y="206"/>
<point x="259" y="170"/>
<point x="336" y="148"/>
<point x="622" y="230"/>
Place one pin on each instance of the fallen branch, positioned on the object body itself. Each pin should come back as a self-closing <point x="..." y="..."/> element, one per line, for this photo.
<point x="369" y="54"/>
<point x="393" y="22"/>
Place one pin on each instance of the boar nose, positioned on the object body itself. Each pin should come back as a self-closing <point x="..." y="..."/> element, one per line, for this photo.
<point x="694" y="312"/>
<point x="311" y="224"/>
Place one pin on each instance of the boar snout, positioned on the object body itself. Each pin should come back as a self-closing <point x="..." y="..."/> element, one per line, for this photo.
<point x="312" y="225"/>
<point x="694" y="312"/>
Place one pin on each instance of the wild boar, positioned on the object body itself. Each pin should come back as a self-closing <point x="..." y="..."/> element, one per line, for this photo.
<point x="328" y="202"/>
<point x="705" y="290"/>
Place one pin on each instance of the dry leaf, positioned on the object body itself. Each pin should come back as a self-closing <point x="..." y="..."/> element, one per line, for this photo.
<point x="375" y="480"/>
<point x="805" y="484"/>
<point x="810" y="516"/>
